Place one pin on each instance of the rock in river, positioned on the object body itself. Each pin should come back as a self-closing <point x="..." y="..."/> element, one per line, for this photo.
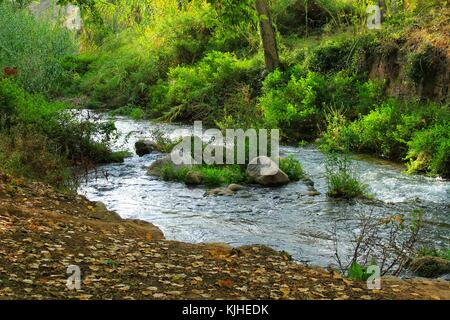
<point x="144" y="147"/>
<point x="194" y="178"/>
<point x="265" y="171"/>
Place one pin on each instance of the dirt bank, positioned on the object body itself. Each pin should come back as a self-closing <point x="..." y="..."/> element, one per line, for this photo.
<point x="43" y="231"/>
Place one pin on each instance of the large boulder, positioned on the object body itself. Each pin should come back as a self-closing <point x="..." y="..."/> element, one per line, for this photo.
<point x="144" y="147"/>
<point x="264" y="171"/>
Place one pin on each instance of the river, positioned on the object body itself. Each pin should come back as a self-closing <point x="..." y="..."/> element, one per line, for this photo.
<point x="282" y="218"/>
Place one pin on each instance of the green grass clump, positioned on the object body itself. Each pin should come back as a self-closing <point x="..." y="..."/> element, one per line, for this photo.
<point x="132" y="112"/>
<point x="200" y="92"/>
<point x="211" y="176"/>
<point x="429" y="151"/>
<point x="342" y="180"/>
<point x="292" y="167"/>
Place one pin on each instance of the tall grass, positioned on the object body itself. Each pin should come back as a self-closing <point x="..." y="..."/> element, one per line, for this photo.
<point x="36" y="47"/>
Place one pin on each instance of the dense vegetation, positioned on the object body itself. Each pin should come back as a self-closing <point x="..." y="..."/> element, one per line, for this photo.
<point x="39" y="139"/>
<point x="192" y="63"/>
<point x="204" y="60"/>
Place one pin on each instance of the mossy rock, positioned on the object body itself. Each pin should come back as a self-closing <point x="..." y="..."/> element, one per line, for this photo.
<point x="194" y="178"/>
<point x="430" y="267"/>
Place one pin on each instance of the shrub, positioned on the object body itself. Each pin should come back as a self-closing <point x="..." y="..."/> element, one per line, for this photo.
<point x="199" y="91"/>
<point x="397" y="130"/>
<point x="295" y="104"/>
<point x="420" y="64"/>
<point x="434" y="252"/>
<point x="56" y="139"/>
<point x="429" y="151"/>
<point x="292" y="167"/>
<point x="26" y="153"/>
<point x="331" y="56"/>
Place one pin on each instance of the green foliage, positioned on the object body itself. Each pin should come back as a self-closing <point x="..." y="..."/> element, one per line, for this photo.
<point x="396" y="130"/>
<point x="133" y="60"/>
<point x="331" y="56"/>
<point x="295" y="104"/>
<point x="434" y="252"/>
<point x="134" y="113"/>
<point x="358" y="272"/>
<point x="41" y="140"/>
<point x="292" y="167"/>
<point x="342" y="180"/>
<point x="215" y="176"/>
<point x="199" y="92"/>
<point x="429" y="151"/>
<point x="36" y="47"/>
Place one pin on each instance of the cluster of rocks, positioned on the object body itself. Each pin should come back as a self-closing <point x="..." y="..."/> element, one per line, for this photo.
<point x="261" y="171"/>
<point x="228" y="191"/>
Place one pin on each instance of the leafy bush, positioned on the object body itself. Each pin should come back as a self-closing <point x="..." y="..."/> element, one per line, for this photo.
<point x="298" y="100"/>
<point x="295" y="104"/>
<point x="420" y="64"/>
<point x="429" y="151"/>
<point x="358" y="272"/>
<point x="41" y="139"/>
<point x="396" y="130"/>
<point x="36" y="47"/>
<point x="331" y="56"/>
<point x="292" y="167"/>
<point x="199" y="92"/>
<point x="26" y="153"/>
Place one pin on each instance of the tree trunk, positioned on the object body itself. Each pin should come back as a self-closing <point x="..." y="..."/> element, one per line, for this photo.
<point x="383" y="9"/>
<point x="268" y="36"/>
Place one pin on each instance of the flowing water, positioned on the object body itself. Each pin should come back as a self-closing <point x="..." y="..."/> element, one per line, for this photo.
<point x="282" y="218"/>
